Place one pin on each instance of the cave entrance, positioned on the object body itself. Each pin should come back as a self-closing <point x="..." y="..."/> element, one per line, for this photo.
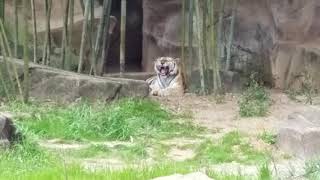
<point x="133" y="38"/>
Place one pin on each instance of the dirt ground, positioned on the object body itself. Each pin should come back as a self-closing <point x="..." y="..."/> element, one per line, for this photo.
<point x="224" y="116"/>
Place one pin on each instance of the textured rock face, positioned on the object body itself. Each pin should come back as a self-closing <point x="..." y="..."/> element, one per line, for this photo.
<point x="161" y="30"/>
<point x="277" y="38"/>
<point x="300" y="134"/>
<point x="191" y="176"/>
<point x="8" y="132"/>
<point x="280" y="39"/>
<point x="63" y="86"/>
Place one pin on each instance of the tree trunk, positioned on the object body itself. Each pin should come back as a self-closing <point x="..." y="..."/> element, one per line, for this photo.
<point x="35" y="38"/>
<point x="84" y="35"/>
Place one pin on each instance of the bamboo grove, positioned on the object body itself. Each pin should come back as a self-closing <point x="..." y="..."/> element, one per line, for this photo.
<point x="202" y="37"/>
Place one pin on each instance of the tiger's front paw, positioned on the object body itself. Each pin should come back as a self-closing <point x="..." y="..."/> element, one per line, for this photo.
<point x="154" y="93"/>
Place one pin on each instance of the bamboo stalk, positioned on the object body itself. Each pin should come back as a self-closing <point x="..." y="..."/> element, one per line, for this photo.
<point x="200" y="46"/>
<point x="231" y="34"/>
<point x="16" y="28"/>
<point x="190" y="34"/>
<point x="7" y="66"/>
<point x="26" y="78"/>
<point x="47" y="43"/>
<point x="6" y="46"/>
<point x="183" y="41"/>
<point x="35" y="38"/>
<point x="102" y="34"/>
<point x="213" y="45"/>
<point x="106" y="44"/>
<point x="65" y="34"/>
<point x="91" y="40"/>
<point x="70" y="32"/>
<point x="2" y="9"/>
<point x="220" y="53"/>
<point x="82" y="6"/>
<point x="84" y="35"/>
<point x="4" y="86"/>
<point x="123" y="36"/>
<point x="206" y="63"/>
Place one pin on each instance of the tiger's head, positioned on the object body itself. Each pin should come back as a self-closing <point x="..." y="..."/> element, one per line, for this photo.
<point x="167" y="66"/>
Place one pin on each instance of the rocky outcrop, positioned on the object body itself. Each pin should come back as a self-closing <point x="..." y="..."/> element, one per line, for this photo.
<point x="300" y="134"/>
<point x="191" y="176"/>
<point x="8" y="132"/>
<point x="62" y="86"/>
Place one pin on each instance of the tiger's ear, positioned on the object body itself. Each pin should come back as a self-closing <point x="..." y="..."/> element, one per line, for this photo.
<point x="156" y="59"/>
<point x="178" y="60"/>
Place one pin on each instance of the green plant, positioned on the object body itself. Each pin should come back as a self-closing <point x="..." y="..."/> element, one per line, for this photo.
<point x="268" y="137"/>
<point x="312" y="170"/>
<point x="121" y="120"/>
<point x="255" y="100"/>
<point x="25" y="157"/>
<point x="231" y="148"/>
<point x="265" y="173"/>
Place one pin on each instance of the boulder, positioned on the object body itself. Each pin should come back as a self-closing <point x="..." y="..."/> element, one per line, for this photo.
<point x="299" y="135"/>
<point x="63" y="86"/>
<point x="8" y="132"/>
<point x="191" y="176"/>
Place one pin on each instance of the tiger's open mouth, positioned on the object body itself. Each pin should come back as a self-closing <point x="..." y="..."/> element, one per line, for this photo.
<point x="164" y="70"/>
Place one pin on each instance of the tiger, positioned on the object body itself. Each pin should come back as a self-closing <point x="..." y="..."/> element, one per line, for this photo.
<point x="168" y="80"/>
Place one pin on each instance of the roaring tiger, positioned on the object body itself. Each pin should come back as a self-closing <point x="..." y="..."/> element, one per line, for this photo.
<point x="168" y="81"/>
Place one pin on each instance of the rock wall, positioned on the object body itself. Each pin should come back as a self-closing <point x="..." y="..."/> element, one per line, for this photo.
<point x="279" y="39"/>
<point x="48" y="83"/>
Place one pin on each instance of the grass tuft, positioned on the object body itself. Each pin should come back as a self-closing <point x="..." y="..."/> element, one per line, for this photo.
<point x="231" y="148"/>
<point x="255" y="100"/>
<point x="122" y="120"/>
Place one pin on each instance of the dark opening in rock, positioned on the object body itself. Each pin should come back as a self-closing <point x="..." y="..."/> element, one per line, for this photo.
<point x="133" y="37"/>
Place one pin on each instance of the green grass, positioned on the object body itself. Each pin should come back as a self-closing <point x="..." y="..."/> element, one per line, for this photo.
<point x="29" y="162"/>
<point x="143" y="121"/>
<point x="231" y="148"/>
<point x="122" y="120"/>
<point x="130" y="154"/>
<point x="265" y="173"/>
<point x="254" y="101"/>
<point x="313" y="169"/>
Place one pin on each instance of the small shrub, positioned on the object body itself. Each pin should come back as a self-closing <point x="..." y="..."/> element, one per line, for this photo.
<point x="313" y="170"/>
<point x="268" y="138"/>
<point x="265" y="173"/>
<point x="255" y="101"/>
